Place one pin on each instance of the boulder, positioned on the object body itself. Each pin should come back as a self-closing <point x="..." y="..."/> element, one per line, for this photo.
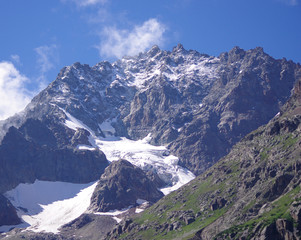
<point x="121" y="185"/>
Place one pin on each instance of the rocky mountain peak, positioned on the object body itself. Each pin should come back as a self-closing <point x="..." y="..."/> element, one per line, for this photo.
<point x="153" y="51"/>
<point x="238" y="55"/>
<point x="179" y="49"/>
<point x="259" y="49"/>
<point x="234" y="55"/>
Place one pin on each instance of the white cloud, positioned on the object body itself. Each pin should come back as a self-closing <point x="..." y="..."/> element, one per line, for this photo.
<point x="47" y="57"/>
<point x="118" y="43"/>
<point x="85" y="3"/>
<point x="13" y="95"/>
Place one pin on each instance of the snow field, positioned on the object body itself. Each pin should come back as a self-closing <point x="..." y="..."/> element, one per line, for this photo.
<point x="46" y="206"/>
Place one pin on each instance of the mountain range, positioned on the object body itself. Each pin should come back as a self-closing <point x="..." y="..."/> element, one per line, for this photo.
<point x="144" y="126"/>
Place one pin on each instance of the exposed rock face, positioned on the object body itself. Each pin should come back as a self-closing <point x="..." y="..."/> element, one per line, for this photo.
<point x="247" y="94"/>
<point x="31" y="153"/>
<point x="252" y="193"/>
<point x="281" y="229"/>
<point x="121" y="185"/>
<point x="8" y="214"/>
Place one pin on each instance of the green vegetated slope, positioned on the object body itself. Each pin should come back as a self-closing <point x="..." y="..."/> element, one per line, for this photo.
<point x="252" y="193"/>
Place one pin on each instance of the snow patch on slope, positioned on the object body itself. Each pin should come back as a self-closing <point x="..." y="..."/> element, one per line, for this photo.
<point x="140" y="153"/>
<point x="148" y="157"/>
<point x="74" y="123"/>
<point x="46" y="206"/>
<point x="107" y="128"/>
<point x="139" y="72"/>
<point x="85" y="147"/>
<point x="117" y="215"/>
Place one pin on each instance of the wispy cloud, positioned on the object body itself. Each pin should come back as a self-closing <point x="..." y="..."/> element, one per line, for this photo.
<point x="15" y="58"/>
<point x="290" y="2"/>
<point x="101" y="16"/>
<point x="116" y="41"/>
<point x="14" y="97"/>
<point x="47" y="58"/>
<point x="293" y="2"/>
<point x="119" y="42"/>
<point x="86" y="3"/>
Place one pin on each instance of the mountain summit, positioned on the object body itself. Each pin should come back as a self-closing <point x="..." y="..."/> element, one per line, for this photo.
<point x="195" y="104"/>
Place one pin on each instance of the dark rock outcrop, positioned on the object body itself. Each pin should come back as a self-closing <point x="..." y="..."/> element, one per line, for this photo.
<point x="280" y="230"/>
<point x="218" y="204"/>
<point x="8" y="214"/>
<point x="121" y="185"/>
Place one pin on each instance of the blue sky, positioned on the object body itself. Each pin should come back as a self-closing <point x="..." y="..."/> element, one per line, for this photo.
<point x="38" y="38"/>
